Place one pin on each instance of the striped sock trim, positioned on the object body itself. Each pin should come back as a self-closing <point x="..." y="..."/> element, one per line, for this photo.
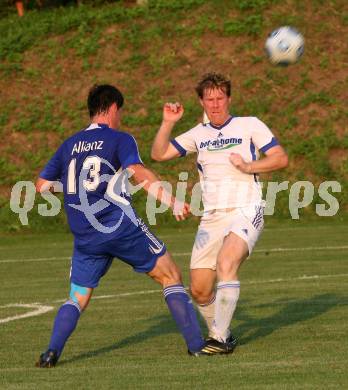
<point x="209" y="303"/>
<point x="72" y="303"/>
<point x="175" y="289"/>
<point x="228" y="285"/>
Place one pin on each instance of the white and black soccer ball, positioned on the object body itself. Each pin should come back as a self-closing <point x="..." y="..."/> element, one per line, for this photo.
<point x="284" y="46"/>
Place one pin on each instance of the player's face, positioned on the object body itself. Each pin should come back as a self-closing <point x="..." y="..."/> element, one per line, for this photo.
<point x="216" y="103"/>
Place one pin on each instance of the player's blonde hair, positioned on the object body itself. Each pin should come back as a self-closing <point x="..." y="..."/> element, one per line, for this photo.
<point x="213" y="81"/>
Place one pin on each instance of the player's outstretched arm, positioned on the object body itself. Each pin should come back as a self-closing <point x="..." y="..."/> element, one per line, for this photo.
<point x="151" y="183"/>
<point x="43" y="185"/>
<point x="162" y="149"/>
<point x="276" y="158"/>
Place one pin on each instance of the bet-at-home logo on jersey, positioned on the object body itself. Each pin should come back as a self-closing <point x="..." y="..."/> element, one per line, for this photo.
<point x="220" y="144"/>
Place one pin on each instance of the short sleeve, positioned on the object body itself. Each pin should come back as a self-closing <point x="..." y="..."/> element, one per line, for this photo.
<point x="53" y="169"/>
<point x="262" y="137"/>
<point x="128" y="152"/>
<point x="185" y="143"/>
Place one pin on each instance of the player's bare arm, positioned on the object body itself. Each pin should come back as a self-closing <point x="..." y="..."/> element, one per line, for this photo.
<point x="276" y="158"/>
<point x="147" y="178"/>
<point x="162" y="149"/>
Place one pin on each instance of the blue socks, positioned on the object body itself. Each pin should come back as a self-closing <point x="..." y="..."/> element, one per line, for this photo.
<point x="178" y="302"/>
<point x="64" y="324"/>
<point x="181" y="308"/>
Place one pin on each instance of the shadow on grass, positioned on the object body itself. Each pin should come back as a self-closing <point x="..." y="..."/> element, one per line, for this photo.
<point x="289" y="314"/>
<point x="164" y="325"/>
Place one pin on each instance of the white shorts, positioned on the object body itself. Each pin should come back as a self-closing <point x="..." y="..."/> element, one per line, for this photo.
<point x="245" y="222"/>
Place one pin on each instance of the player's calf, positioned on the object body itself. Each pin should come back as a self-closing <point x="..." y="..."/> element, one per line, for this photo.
<point x="166" y="272"/>
<point x="64" y="324"/>
<point x="203" y="292"/>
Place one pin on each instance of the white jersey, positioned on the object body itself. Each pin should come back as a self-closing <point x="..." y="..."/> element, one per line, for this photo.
<point x="223" y="185"/>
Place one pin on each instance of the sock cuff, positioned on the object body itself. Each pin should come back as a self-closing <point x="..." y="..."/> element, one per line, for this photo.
<point x="230" y="284"/>
<point x="207" y="304"/>
<point x="174" y="289"/>
<point x="72" y="303"/>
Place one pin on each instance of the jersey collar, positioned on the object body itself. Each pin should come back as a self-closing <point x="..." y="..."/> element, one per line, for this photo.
<point x="223" y="125"/>
<point x="94" y="126"/>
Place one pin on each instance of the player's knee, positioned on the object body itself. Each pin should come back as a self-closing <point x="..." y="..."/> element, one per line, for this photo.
<point x="80" y="295"/>
<point x="201" y="295"/>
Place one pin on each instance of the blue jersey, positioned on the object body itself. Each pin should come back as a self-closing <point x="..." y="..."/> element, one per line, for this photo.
<point x="89" y="164"/>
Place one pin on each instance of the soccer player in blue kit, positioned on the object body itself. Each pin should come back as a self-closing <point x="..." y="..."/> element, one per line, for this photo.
<point x="91" y="165"/>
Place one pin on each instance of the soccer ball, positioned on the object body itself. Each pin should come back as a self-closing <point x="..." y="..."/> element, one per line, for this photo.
<point x="284" y="46"/>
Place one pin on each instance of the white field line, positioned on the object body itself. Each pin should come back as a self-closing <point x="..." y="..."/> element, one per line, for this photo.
<point x="307" y="248"/>
<point x="41" y="309"/>
<point x="38" y="259"/>
<point x="121" y="295"/>
<point x="38" y="310"/>
<point x="279" y="280"/>
<point x="274" y="229"/>
<point x="193" y="233"/>
<point x="179" y="254"/>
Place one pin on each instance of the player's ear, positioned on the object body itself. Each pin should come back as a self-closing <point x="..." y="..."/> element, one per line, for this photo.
<point x="113" y="107"/>
<point x="201" y="102"/>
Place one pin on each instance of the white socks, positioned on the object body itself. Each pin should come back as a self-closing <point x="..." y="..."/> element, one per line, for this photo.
<point x="225" y="304"/>
<point x="207" y="311"/>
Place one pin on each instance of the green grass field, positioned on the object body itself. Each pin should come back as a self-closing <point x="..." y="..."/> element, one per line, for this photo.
<point x="291" y="321"/>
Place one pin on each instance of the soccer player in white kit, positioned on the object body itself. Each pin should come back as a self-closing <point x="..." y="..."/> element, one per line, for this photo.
<point x="228" y="163"/>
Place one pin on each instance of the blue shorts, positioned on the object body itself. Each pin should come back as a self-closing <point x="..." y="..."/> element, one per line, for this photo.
<point x="137" y="247"/>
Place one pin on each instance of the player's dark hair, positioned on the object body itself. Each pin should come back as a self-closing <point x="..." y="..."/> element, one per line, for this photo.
<point x="101" y="97"/>
<point x="213" y="81"/>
